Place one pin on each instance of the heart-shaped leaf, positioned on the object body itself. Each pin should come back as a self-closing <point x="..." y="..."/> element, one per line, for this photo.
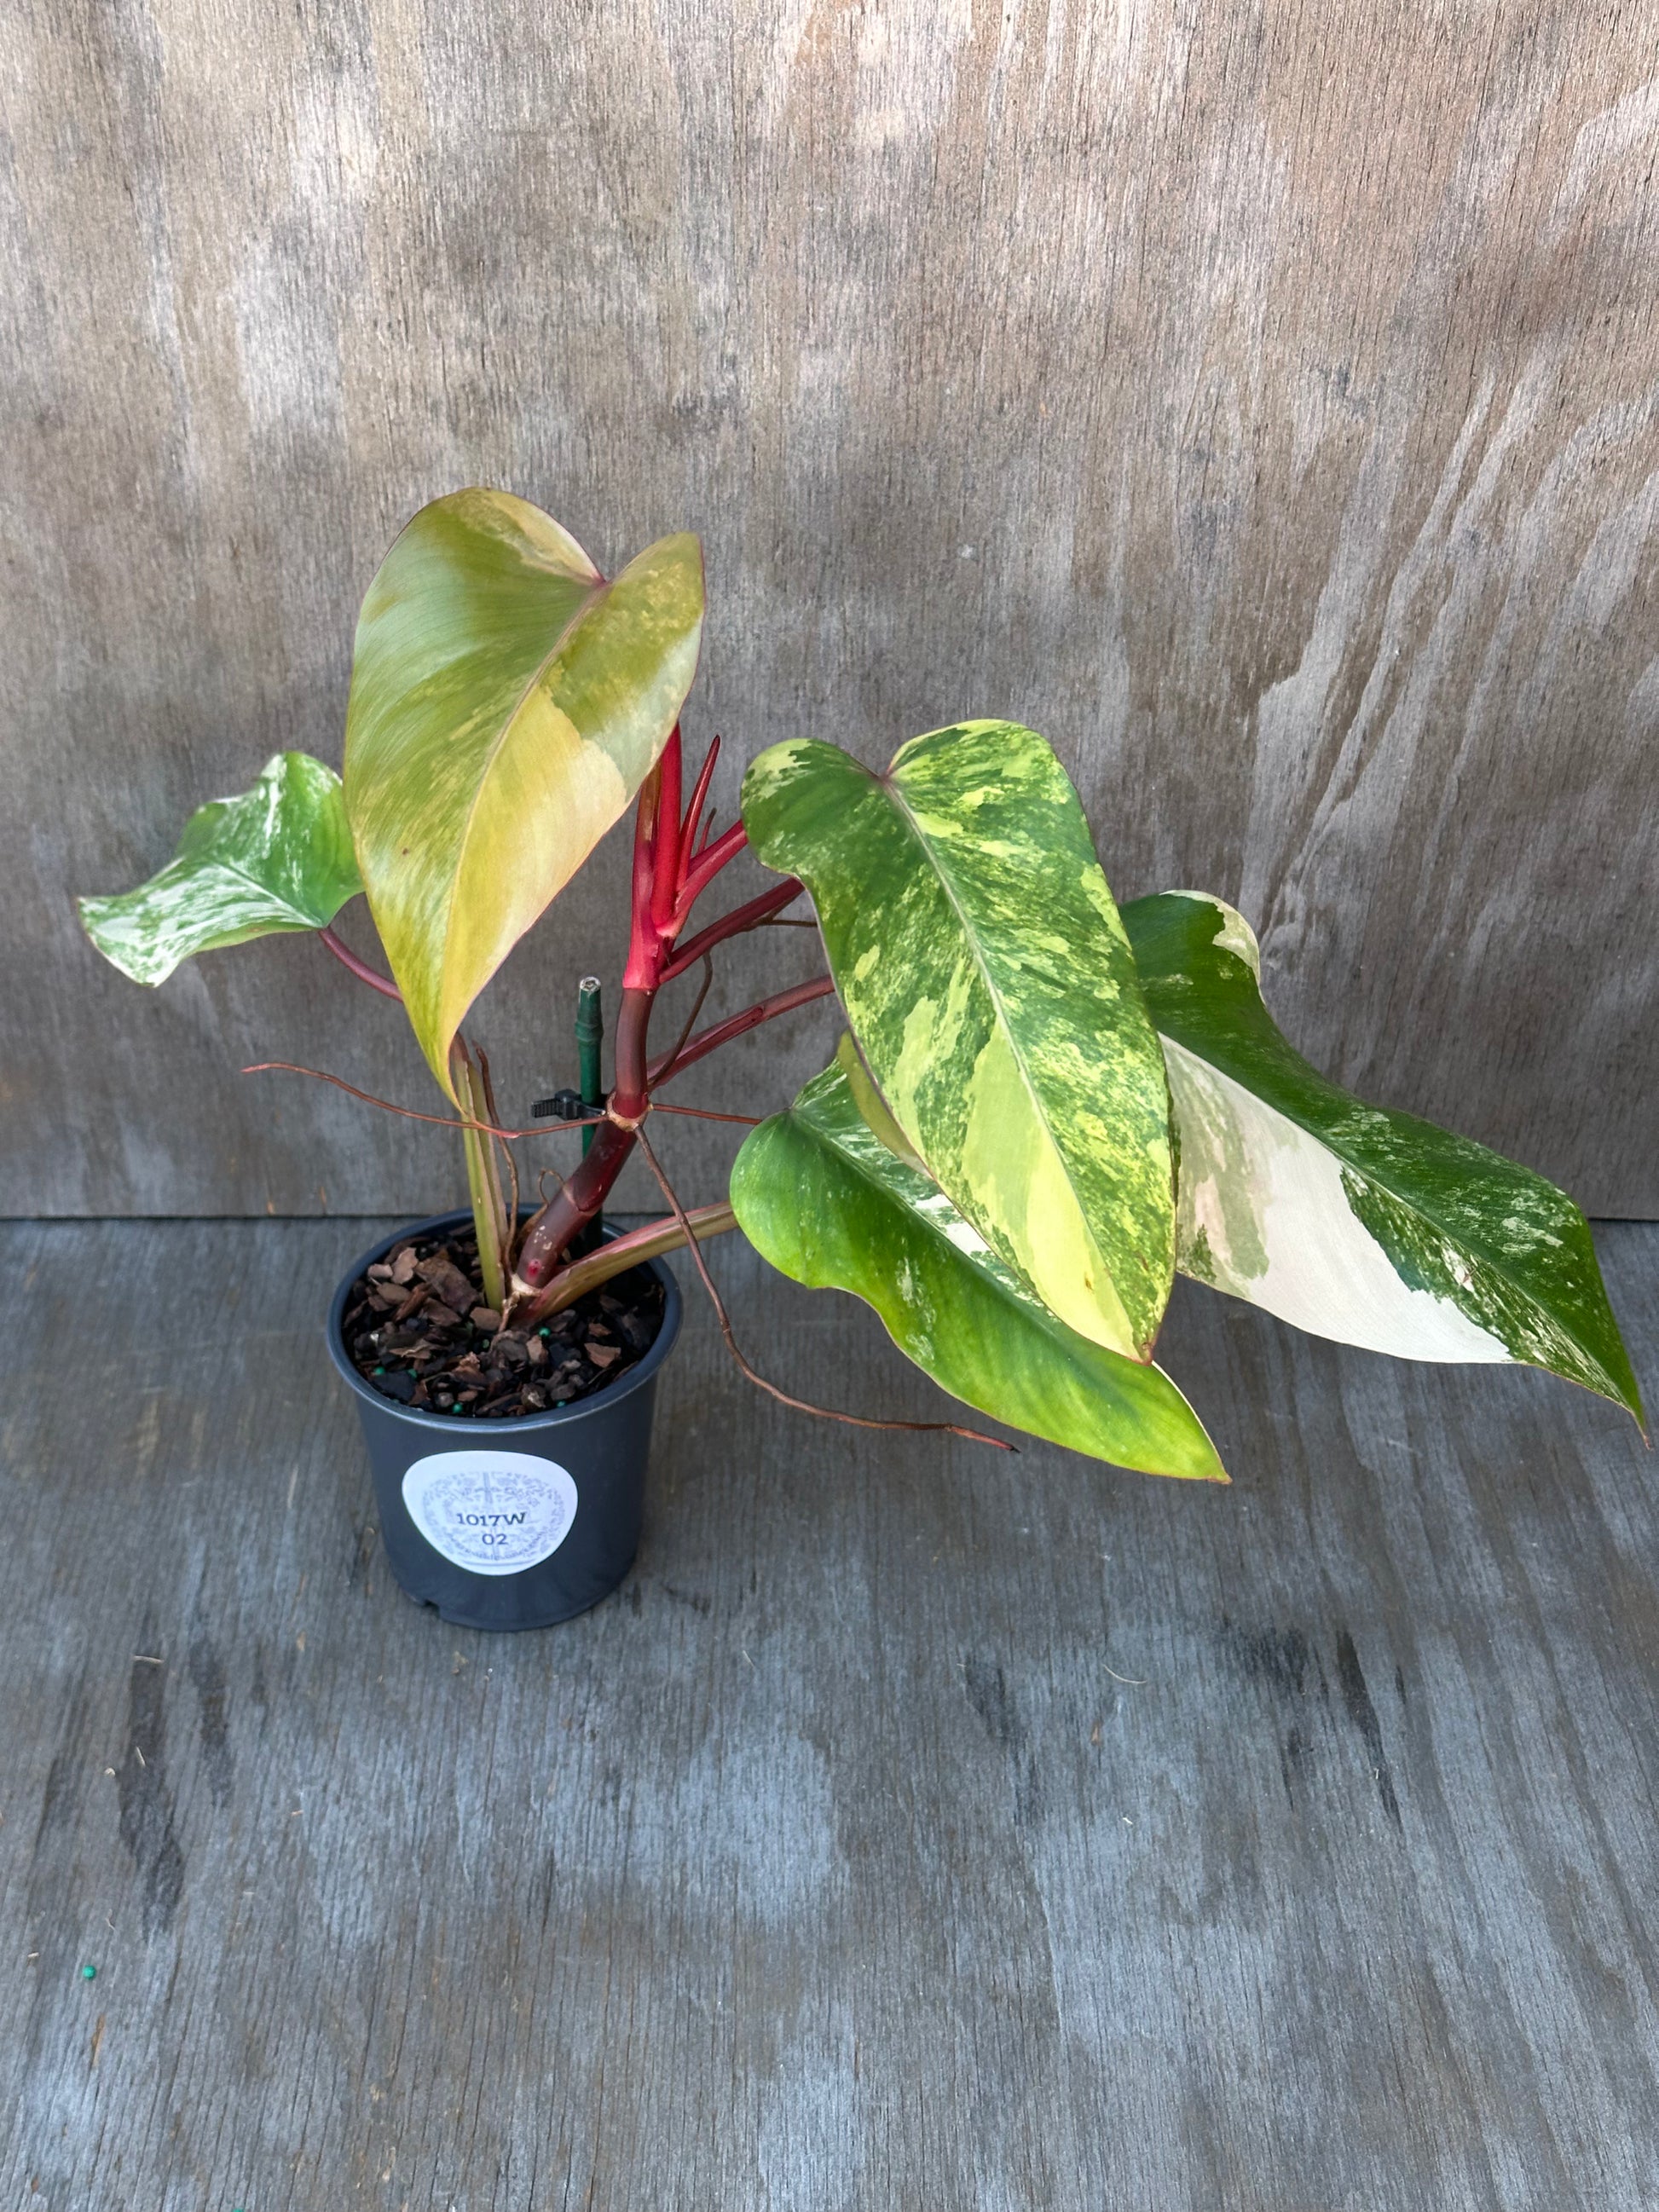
<point x="986" y="977"/>
<point x="1349" y="1221"/>
<point x="824" y="1198"/>
<point x="275" y="858"/>
<point x="506" y="703"/>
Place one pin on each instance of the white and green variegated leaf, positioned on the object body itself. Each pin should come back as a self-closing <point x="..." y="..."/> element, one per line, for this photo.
<point x="830" y="1203"/>
<point x="275" y="858"/>
<point x="1349" y="1221"/>
<point x="987" y="978"/>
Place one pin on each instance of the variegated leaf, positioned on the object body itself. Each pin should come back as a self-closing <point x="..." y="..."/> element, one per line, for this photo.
<point x="828" y="1202"/>
<point x="506" y="703"/>
<point x="873" y="1106"/>
<point x="275" y="858"/>
<point x="1349" y="1221"/>
<point x="987" y="978"/>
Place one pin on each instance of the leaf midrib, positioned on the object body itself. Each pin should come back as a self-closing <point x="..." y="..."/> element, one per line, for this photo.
<point x="888" y="783"/>
<point x="235" y="868"/>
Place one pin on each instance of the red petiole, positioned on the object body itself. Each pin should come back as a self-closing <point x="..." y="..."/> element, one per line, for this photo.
<point x="736" y="1026"/>
<point x="690" y="837"/>
<point x="704" y="869"/>
<point x="360" y="968"/>
<point x="732" y="925"/>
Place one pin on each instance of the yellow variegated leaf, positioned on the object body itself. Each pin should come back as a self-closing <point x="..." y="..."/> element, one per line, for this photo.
<point x="506" y="703"/>
<point x="825" y="1197"/>
<point x="987" y="979"/>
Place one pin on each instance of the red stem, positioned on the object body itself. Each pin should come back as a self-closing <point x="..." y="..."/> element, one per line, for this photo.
<point x="579" y="1200"/>
<point x="570" y="1211"/>
<point x="360" y="968"/>
<point x="629" y="1095"/>
<point x="666" y="884"/>
<point x="576" y="1204"/>
<point x="571" y="1208"/>
<point x="732" y="925"/>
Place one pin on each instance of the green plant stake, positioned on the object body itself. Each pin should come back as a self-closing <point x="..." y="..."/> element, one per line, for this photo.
<point x="590" y="1035"/>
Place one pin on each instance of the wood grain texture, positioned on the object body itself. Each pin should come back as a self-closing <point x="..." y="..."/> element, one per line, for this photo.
<point x="1260" y="400"/>
<point x="916" y="1827"/>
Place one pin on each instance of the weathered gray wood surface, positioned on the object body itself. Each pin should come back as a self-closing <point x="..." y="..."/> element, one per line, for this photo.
<point x="917" y="1827"/>
<point x="1263" y="400"/>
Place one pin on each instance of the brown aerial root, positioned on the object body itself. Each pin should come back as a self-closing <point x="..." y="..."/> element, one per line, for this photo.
<point x="466" y="1122"/>
<point x="800" y="1405"/>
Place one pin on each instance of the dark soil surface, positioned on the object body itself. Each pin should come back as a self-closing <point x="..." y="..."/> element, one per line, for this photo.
<point x="418" y="1328"/>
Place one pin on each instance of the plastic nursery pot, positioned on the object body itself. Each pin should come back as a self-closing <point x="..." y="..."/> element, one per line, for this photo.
<point x="514" y="1523"/>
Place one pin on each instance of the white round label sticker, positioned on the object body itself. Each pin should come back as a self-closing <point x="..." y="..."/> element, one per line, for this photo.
<point x="497" y="1512"/>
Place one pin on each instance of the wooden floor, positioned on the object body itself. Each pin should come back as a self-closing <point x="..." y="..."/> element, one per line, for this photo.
<point x="918" y="1829"/>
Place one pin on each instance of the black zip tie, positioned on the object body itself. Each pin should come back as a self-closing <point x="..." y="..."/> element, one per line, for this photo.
<point x="566" y="1106"/>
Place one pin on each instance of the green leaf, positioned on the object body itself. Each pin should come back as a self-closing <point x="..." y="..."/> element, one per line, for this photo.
<point x="506" y="703"/>
<point x="828" y="1203"/>
<point x="277" y="858"/>
<point x="1368" y="1226"/>
<point x="986" y="977"/>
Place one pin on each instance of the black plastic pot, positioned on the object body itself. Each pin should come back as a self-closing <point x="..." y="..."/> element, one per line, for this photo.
<point x="513" y="1524"/>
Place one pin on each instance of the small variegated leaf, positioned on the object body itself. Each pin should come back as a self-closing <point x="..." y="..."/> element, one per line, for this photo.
<point x="1349" y="1221"/>
<point x="275" y="858"/>
<point x="830" y="1204"/>
<point x="506" y="703"/>
<point x="987" y="979"/>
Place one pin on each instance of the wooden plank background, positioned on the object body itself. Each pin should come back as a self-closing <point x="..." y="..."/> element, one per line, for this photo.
<point x="917" y="1827"/>
<point x="1260" y="399"/>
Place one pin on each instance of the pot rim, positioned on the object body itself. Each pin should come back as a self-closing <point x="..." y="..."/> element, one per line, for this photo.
<point x="517" y="1425"/>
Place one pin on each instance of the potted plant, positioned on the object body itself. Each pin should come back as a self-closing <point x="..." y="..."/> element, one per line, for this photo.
<point x="1039" y="1107"/>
